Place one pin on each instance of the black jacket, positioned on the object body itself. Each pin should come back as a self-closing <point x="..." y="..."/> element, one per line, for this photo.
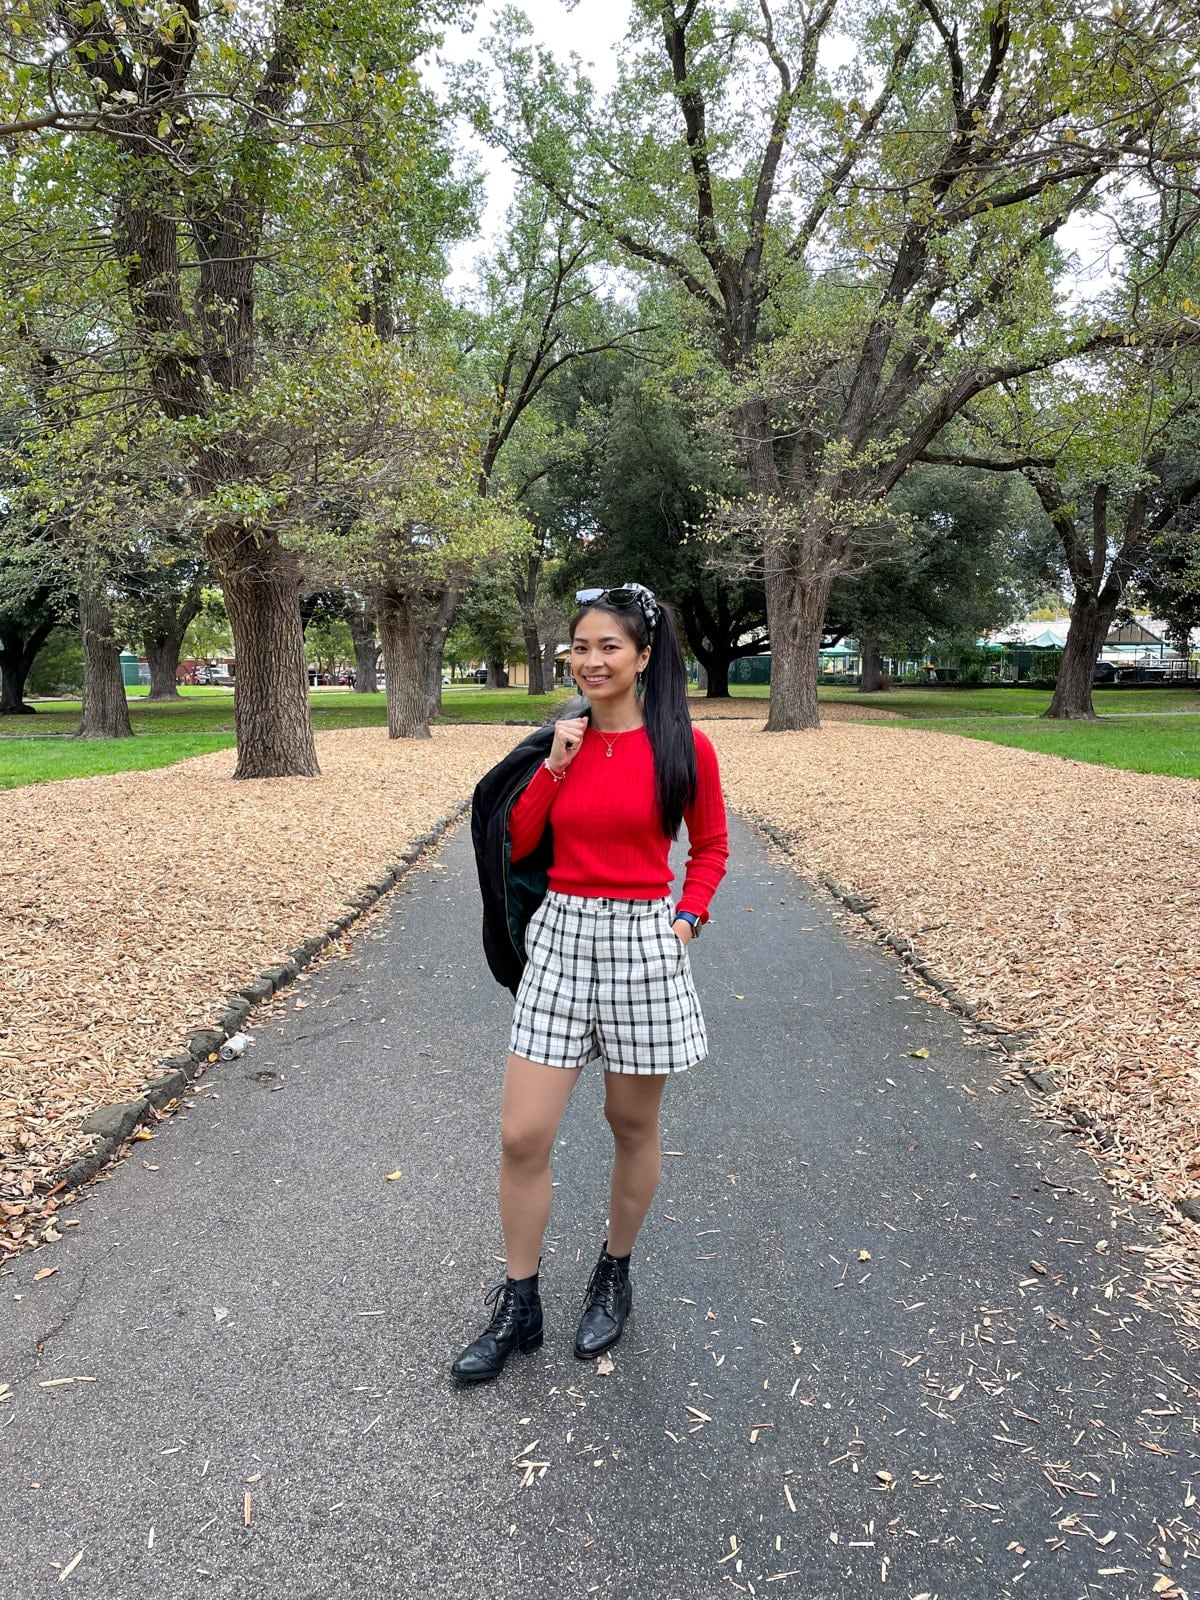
<point x="511" y="891"/>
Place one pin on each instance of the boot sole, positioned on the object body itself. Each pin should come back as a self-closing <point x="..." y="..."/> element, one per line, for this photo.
<point x="526" y="1347"/>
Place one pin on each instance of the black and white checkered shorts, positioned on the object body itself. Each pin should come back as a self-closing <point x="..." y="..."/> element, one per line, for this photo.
<point x="607" y="979"/>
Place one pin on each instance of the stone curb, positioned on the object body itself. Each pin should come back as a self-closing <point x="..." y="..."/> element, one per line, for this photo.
<point x="1011" y="1041"/>
<point x="116" y="1123"/>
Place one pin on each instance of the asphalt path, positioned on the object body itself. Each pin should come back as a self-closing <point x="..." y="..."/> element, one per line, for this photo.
<point x="886" y="1337"/>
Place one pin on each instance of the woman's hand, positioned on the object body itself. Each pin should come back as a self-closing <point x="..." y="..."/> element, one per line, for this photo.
<point x="568" y="736"/>
<point x="683" y="931"/>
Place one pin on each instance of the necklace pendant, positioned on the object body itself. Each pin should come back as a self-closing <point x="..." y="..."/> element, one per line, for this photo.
<point x="608" y="753"/>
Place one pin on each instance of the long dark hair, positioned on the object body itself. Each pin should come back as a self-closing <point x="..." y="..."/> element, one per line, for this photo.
<point x="664" y="705"/>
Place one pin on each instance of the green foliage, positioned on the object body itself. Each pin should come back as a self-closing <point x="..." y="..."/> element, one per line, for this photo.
<point x="976" y="554"/>
<point x="58" y="667"/>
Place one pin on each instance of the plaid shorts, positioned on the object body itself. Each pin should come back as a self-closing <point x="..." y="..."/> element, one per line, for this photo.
<point x="607" y="979"/>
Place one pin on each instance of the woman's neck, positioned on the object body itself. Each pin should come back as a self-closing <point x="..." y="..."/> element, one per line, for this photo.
<point x="619" y="716"/>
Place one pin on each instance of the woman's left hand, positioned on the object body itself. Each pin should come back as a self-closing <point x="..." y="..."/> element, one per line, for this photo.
<point x="683" y="931"/>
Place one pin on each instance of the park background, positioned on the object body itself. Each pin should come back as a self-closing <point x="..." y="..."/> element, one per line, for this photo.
<point x="868" y="337"/>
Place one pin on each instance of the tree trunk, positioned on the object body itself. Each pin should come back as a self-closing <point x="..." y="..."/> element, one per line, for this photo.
<point x="366" y="652"/>
<point x="1090" y="623"/>
<point x="796" y="603"/>
<point x="162" y="655"/>
<point x="716" y="672"/>
<point x="407" y="688"/>
<point x="533" y="654"/>
<point x="495" y="675"/>
<point x="105" y="708"/>
<point x="261" y="584"/>
<point x="871" y="677"/>
<point x="437" y="620"/>
<point x="549" y="664"/>
<point x="18" y="652"/>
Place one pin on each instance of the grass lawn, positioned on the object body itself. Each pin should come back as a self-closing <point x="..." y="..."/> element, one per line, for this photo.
<point x="40" y="760"/>
<point x="39" y="748"/>
<point x="1139" y="738"/>
<point x="1138" y="744"/>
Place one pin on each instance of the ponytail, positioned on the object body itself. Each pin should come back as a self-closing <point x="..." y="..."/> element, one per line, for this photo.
<point x="669" y="724"/>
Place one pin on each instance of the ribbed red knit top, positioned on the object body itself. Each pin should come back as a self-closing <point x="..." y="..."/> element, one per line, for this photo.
<point x="608" y="839"/>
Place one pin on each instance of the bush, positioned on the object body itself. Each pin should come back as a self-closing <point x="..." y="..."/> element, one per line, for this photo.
<point x="58" y="666"/>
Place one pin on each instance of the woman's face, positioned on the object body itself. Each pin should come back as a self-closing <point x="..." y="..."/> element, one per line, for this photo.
<point x="605" y="661"/>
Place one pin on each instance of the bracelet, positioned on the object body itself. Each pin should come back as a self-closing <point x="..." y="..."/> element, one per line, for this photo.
<point x="557" y="776"/>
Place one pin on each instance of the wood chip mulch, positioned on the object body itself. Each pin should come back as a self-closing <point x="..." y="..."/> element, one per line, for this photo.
<point x="1063" y="896"/>
<point x="131" y="905"/>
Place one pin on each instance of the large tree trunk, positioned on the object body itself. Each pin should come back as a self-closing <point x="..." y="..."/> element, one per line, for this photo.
<point x="403" y="662"/>
<point x="261" y="584"/>
<point x="366" y="649"/>
<point x="1090" y="624"/>
<point x="533" y="654"/>
<point x="549" y="664"/>
<point x="796" y="603"/>
<point x="162" y="656"/>
<point x="495" y="675"/>
<point x="18" y="651"/>
<point x="716" y="671"/>
<point x="871" y="675"/>
<point x="105" y="708"/>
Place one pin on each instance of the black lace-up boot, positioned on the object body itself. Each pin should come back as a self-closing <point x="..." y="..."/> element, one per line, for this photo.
<point x="516" y="1325"/>
<point x="608" y="1302"/>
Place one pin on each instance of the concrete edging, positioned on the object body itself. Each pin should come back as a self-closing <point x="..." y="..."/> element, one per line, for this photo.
<point x="1010" y="1041"/>
<point x="116" y="1123"/>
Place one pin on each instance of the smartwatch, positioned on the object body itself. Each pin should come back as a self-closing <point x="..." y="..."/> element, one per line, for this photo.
<point x="692" y="920"/>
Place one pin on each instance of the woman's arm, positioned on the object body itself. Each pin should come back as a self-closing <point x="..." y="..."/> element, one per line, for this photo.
<point x="708" y="834"/>
<point x="528" y="817"/>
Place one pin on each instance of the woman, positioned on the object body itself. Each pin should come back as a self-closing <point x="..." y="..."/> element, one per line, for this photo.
<point x="607" y="975"/>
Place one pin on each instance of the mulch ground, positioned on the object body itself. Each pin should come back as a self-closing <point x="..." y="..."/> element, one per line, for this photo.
<point x="1063" y="896"/>
<point x="131" y="905"/>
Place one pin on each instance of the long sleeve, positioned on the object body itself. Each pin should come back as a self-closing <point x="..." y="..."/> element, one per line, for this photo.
<point x="527" y="819"/>
<point x="708" y="834"/>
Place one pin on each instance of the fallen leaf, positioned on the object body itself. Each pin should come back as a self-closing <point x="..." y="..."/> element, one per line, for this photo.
<point x="391" y="1177"/>
<point x="921" y="1055"/>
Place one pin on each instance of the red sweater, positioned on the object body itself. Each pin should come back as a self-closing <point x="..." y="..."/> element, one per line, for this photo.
<point x="608" y="839"/>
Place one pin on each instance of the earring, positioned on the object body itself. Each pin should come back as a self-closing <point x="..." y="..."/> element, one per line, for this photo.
<point x="640" y="687"/>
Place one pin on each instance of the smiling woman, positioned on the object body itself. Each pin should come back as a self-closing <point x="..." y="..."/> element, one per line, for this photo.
<point x="606" y="975"/>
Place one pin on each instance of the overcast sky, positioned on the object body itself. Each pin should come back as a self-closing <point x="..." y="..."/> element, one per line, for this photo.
<point x="590" y="29"/>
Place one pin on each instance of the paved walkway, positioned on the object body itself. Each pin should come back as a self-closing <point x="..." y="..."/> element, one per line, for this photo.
<point x="882" y="1344"/>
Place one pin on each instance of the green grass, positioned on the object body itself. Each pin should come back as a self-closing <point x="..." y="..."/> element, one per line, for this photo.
<point x="40" y="748"/>
<point x="923" y="703"/>
<point x="1138" y="744"/>
<point x="24" y="761"/>
<point x="211" y="711"/>
<point x="203" y="721"/>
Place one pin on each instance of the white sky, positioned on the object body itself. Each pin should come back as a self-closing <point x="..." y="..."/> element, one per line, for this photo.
<point x="590" y="29"/>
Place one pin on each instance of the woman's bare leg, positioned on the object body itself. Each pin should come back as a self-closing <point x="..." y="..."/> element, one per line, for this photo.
<point x="535" y="1098"/>
<point x="631" y="1106"/>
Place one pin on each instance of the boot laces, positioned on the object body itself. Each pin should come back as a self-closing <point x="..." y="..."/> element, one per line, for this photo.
<point x="506" y="1303"/>
<point x="604" y="1285"/>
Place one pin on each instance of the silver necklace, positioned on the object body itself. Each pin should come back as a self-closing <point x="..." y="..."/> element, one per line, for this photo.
<point x="608" y="745"/>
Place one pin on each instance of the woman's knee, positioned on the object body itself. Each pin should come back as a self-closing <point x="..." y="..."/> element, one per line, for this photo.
<point x="632" y="1126"/>
<point x="525" y="1142"/>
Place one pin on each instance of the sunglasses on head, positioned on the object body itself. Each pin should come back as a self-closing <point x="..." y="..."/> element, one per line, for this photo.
<point x="625" y="594"/>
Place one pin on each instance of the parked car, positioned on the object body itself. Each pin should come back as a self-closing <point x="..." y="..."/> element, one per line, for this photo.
<point x="1104" y="672"/>
<point x="481" y="675"/>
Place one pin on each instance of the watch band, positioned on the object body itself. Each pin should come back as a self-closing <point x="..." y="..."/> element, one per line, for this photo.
<point x="691" y="919"/>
